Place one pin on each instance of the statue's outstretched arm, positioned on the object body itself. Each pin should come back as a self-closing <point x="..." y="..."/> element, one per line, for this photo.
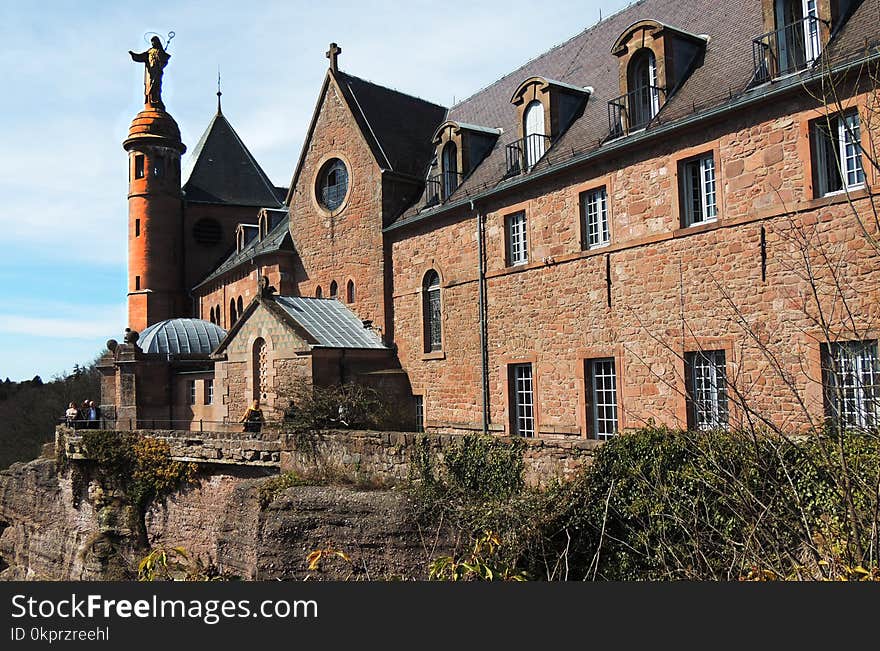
<point x="141" y="57"/>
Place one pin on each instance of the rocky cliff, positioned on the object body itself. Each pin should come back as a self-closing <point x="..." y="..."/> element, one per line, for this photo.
<point x="64" y="525"/>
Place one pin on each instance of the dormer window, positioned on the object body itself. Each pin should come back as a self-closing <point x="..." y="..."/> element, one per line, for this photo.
<point x="546" y="110"/>
<point x="654" y="61"/>
<point x="643" y="99"/>
<point x="794" y="41"/>
<point x="245" y="234"/>
<point x="450" y="169"/>
<point x="460" y="148"/>
<point x="535" y="139"/>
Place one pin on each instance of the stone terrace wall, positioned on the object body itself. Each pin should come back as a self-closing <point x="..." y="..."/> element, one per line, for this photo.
<point x="351" y="455"/>
<point x="388" y="457"/>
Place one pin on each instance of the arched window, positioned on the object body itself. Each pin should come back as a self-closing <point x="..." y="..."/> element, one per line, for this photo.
<point x="212" y="316"/>
<point x="334" y="289"/>
<point x="233" y="315"/>
<point x="349" y="292"/>
<point x="319" y="292"/>
<point x="240" y="304"/>
<point x="533" y="132"/>
<point x="261" y="369"/>
<point x="217" y="314"/>
<point x="643" y="99"/>
<point x="432" y="315"/>
<point x="450" y="169"/>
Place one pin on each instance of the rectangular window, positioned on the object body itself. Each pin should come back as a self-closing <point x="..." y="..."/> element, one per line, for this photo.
<point x="517" y="243"/>
<point x="209" y="392"/>
<point x="594" y="209"/>
<point x="837" y="154"/>
<point x="159" y="167"/>
<point x="191" y="387"/>
<point x="697" y="185"/>
<point x="420" y="413"/>
<point x="602" y="392"/>
<point x="137" y="283"/>
<point x="137" y="227"/>
<point x="706" y="380"/>
<point x="139" y="166"/>
<point x="851" y="381"/>
<point x="522" y="400"/>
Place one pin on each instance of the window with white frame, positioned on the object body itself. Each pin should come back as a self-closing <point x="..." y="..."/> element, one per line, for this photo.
<point x="698" y="196"/>
<point x="522" y="400"/>
<point x="851" y="382"/>
<point x="594" y="208"/>
<point x="837" y="154"/>
<point x="191" y="389"/>
<point x="209" y="391"/>
<point x="706" y="380"/>
<point x="517" y="241"/>
<point x="534" y="138"/>
<point x="602" y="391"/>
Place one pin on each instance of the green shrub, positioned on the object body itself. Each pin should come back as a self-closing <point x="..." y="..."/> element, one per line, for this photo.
<point x="661" y="504"/>
<point x="270" y="488"/>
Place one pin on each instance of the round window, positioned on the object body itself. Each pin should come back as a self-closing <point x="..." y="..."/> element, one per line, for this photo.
<point x="207" y="231"/>
<point x="332" y="184"/>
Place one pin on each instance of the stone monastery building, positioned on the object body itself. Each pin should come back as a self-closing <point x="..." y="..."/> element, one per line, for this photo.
<point x="669" y="218"/>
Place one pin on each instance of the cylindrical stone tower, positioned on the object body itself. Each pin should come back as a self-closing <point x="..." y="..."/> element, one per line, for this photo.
<point x="155" y="219"/>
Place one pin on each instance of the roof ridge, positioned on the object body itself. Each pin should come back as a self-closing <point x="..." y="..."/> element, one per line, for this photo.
<point x="391" y="90"/>
<point x="546" y="52"/>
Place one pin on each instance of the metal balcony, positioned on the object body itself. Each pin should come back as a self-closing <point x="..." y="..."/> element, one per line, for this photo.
<point x="787" y="50"/>
<point x="522" y="154"/>
<point x="439" y="187"/>
<point x="635" y="110"/>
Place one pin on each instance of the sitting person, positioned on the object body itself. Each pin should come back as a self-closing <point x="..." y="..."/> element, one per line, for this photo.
<point x="253" y="418"/>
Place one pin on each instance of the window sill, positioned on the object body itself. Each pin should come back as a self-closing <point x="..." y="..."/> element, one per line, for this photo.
<point x="435" y="354"/>
<point x="696" y="227"/>
<point x="597" y="247"/>
<point x="845" y="191"/>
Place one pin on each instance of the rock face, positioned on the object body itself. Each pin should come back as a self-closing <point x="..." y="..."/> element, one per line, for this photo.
<point x="63" y="527"/>
<point x="44" y="533"/>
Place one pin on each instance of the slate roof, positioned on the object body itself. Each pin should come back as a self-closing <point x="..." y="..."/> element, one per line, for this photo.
<point x="397" y="126"/>
<point x="725" y="72"/>
<point x="223" y="171"/>
<point x="329" y="322"/>
<point x="277" y="239"/>
<point x="181" y="337"/>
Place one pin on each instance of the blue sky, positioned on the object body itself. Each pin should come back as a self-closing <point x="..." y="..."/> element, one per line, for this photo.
<point x="69" y="91"/>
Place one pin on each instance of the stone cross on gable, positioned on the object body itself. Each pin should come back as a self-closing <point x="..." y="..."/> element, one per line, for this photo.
<point x="333" y="54"/>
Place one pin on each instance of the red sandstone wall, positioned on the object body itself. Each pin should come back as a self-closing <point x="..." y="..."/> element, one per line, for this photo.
<point x="200" y="259"/>
<point x="346" y="245"/>
<point x="673" y="289"/>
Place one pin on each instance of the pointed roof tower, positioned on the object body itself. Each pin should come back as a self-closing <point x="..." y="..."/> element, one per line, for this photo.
<point x="223" y="171"/>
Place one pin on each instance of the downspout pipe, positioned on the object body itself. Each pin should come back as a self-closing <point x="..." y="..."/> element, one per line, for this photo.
<point x="484" y="328"/>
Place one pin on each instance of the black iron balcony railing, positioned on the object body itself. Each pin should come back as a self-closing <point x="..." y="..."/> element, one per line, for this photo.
<point x="439" y="187"/>
<point x="788" y="49"/>
<point x="635" y="109"/>
<point x="522" y="154"/>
